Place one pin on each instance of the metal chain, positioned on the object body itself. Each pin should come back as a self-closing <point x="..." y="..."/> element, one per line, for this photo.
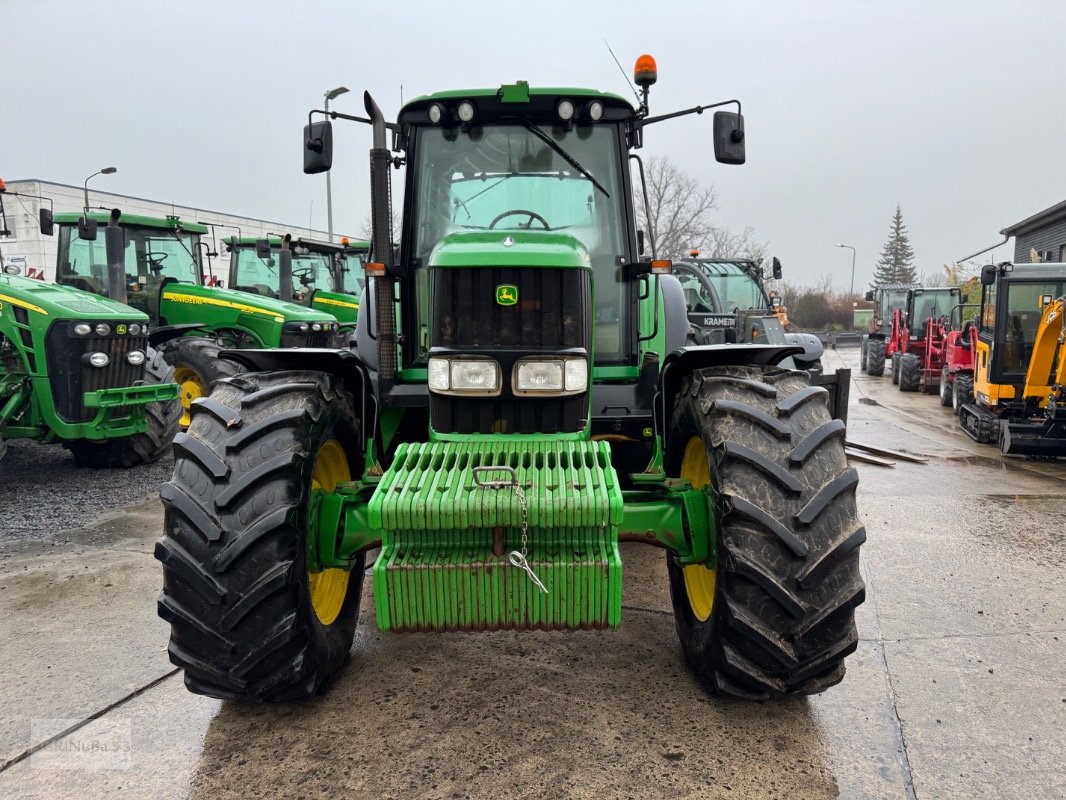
<point x="518" y="557"/>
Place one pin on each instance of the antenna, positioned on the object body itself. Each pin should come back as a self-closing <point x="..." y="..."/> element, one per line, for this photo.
<point x="622" y="70"/>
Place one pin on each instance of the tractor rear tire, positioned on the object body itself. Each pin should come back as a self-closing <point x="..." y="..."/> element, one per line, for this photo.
<point x="248" y="621"/>
<point x="196" y="366"/>
<point x="910" y="373"/>
<point x="961" y="392"/>
<point x="946" y="385"/>
<point x="875" y="358"/>
<point x="895" y="368"/>
<point x="141" y="448"/>
<point x="775" y="616"/>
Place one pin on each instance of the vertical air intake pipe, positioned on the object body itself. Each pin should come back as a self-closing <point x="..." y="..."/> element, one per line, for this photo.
<point x="381" y="242"/>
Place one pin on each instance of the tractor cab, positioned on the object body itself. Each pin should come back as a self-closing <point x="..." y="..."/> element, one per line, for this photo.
<point x="721" y="295"/>
<point x="157" y="252"/>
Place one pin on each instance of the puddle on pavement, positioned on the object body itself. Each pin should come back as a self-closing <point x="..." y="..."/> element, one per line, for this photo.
<point x="1031" y="524"/>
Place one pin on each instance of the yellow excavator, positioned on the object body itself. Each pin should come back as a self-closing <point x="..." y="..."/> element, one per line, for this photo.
<point x="1019" y="397"/>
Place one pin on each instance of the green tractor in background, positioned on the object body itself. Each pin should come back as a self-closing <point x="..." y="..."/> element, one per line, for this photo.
<point x="523" y="401"/>
<point x="163" y="277"/>
<point x="324" y="276"/>
<point x="77" y="369"/>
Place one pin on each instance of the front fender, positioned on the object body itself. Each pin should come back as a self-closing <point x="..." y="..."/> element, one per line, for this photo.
<point x="811" y="344"/>
<point x="685" y="360"/>
<point x="345" y="364"/>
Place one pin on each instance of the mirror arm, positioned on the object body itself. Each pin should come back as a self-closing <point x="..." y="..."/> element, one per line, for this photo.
<point x="693" y="110"/>
<point x="392" y="126"/>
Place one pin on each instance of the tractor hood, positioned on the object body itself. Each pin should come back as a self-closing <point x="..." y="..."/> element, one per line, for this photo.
<point x="63" y="302"/>
<point x="279" y="310"/>
<point x="510" y="248"/>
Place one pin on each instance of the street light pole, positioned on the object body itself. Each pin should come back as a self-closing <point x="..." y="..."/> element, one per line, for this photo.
<point x="85" y="186"/>
<point x="851" y="289"/>
<point x="331" y="94"/>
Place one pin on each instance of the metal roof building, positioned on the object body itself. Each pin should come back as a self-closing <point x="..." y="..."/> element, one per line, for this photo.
<point x="1044" y="232"/>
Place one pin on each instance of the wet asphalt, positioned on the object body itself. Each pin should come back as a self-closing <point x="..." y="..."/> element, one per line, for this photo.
<point x="957" y="690"/>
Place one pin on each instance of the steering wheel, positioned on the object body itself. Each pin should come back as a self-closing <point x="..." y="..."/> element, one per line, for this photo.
<point x="533" y="215"/>
<point x="304" y="276"/>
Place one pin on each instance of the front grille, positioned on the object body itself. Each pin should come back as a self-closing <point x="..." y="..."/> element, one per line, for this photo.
<point x="310" y="339"/>
<point x="552" y="314"/>
<point x="70" y="378"/>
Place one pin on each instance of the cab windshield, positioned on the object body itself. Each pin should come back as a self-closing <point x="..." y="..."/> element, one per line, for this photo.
<point x="256" y="275"/>
<point x="151" y="255"/>
<point x="506" y="177"/>
<point x="728" y="287"/>
<point x="930" y="305"/>
<point x="1025" y="307"/>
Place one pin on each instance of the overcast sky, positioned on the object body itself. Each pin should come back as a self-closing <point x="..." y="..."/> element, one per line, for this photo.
<point x="952" y="109"/>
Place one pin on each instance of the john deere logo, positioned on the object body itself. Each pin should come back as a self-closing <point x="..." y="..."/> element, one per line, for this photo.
<point x="507" y="294"/>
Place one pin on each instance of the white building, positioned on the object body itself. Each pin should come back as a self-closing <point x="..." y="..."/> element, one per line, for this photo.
<point x="34" y="255"/>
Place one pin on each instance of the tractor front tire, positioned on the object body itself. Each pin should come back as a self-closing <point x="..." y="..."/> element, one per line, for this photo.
<point x="775" y="615"/>
<point x="197" y="365"/>
<point x="248" y="620"/>
<point x="910" y="373"/>
<point x="141" y="448"/>
<point x="961" y="392"/>
<point x="945" y="386"/>
<point x="875" y="358"/>
<point x="895" y="368"/>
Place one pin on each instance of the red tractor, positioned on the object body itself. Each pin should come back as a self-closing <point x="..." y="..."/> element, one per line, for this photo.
<point x="918" y="333"/>
<point x="956" y="372"/>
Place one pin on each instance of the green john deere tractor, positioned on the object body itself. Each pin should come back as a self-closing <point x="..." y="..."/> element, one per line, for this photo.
<point x="524" y="400"/>
<point x="191" y="321"/>
<point x="324" y="276"/>
<point x="77" y="369"/>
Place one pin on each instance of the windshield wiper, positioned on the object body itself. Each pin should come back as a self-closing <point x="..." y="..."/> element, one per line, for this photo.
<point x="554" y="145"/>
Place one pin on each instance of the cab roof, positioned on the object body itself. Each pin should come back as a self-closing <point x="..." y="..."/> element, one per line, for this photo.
<point x="517" y="99"/>
<point x="166" y="223"/>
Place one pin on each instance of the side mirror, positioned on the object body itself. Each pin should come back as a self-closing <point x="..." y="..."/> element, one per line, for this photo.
<point x="262" y="248"/>
<point x="87" y="229"/>
<point x="47" y="225"/>
<point x="221" y="284"/>
<point x="318" y="147"/>
<point x="776" y="263"/>
<point x="870" y="296"/>
<point x="728" y="137"/>
<point x="988" y="275"/>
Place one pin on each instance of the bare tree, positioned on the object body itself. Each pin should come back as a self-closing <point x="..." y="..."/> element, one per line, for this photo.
<point x="679" y="213"/>
<point x="744" y="245"/>
<point x="679" y="218"/>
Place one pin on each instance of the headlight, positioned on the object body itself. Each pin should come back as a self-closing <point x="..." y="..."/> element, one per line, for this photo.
<point x="96" y="359"/>
<point x="316" y="326"/>
<point x="595" y="110"/>
<point x="551" y="376"/>
<point x="436" y="113"/>
<point x="102" y="329"/>
<point x="83" y="329"/>
<point x="135" y="329"/>
<point x="135" y="357"/>
<point x="464" y="375"/>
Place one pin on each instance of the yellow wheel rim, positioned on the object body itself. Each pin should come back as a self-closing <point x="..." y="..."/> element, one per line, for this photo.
<point x="699" y="580"/>
<point x="191" y="387"/>
<point x="329" y="587"/>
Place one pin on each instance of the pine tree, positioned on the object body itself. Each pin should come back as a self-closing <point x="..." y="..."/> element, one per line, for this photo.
<point x="896" y="264"/>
